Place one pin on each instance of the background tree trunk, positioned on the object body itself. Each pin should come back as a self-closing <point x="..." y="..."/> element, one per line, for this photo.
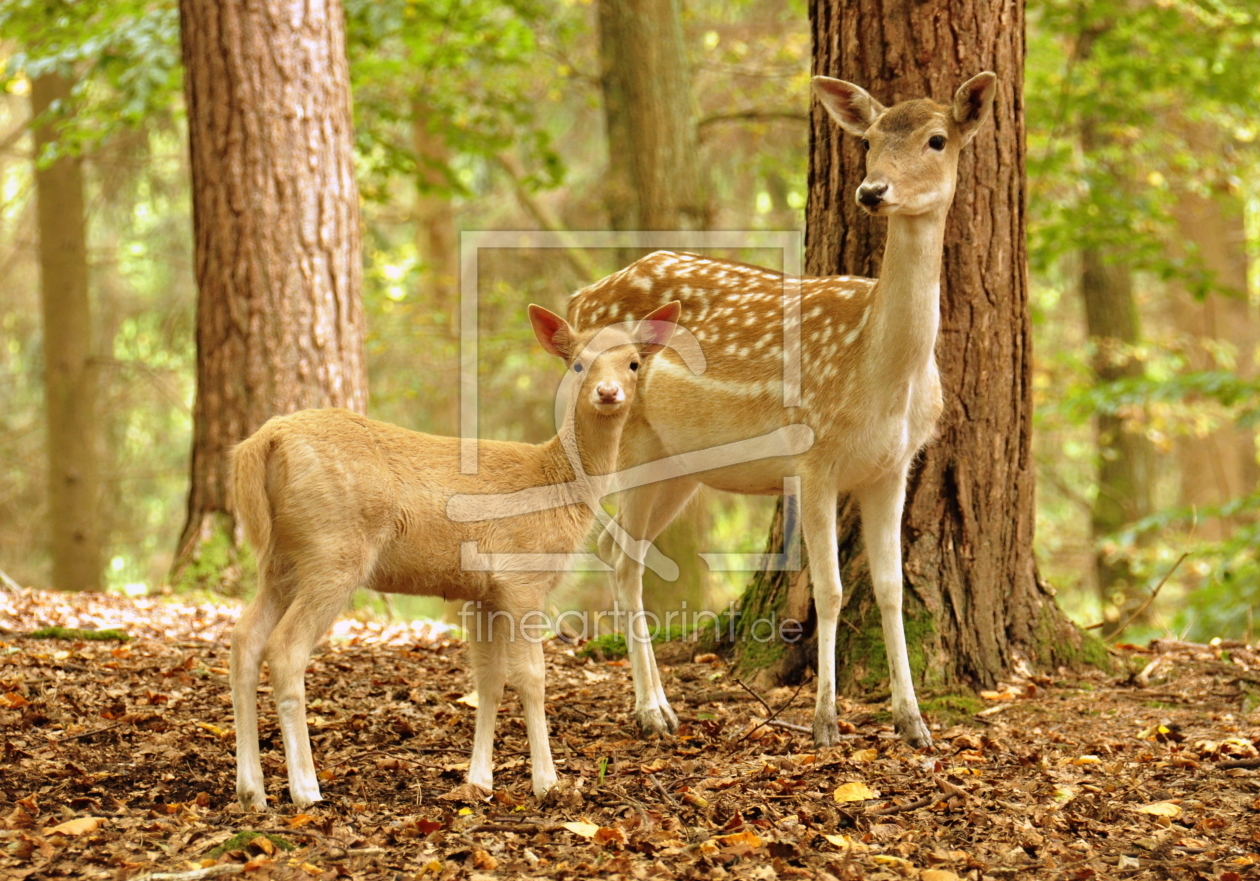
<point x="974" y="604"/>
<point x="654" y="183"/>
<point x="1125" y="458"/>
<point x="69" y="376"/>
<point x="654" y="177"/>
<point x="1222" y="465"/>
<point x="276" y="224"/>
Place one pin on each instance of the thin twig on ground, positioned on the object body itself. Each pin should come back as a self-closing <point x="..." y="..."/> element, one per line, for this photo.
<point x="1145" y="605"/>
<point x="773" y="713"/>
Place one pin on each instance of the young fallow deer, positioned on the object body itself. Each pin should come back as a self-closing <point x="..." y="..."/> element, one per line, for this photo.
<point x="331" y="501"/>
<point x="869" y="387"/>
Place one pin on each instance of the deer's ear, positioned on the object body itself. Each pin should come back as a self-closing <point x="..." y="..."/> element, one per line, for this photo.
<point x="973" y="103"/>
<point x="657" y="328"/>
<point x="552" y="331"/>
<point x="850" y="105"/>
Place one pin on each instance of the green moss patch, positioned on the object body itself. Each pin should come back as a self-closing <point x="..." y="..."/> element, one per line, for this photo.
<point x="73" y="633"/>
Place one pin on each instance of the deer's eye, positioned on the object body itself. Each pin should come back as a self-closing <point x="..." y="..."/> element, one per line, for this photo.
<point x="577" y="368"/>
<point x="937" y="142"/>
<point x="634" y="365"/>
<point x="866" y="145"/>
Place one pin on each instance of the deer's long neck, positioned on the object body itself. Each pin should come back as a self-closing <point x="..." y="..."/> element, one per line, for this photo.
<point x="592" y="440"/>
<point x="906" y="305"/>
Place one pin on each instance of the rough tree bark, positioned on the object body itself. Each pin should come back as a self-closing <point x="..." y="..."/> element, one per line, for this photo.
<point x="277" y="249"/>
<point x="654" y="183"/>
<point x="73" y="443"/>
<point x="974" y="604"/>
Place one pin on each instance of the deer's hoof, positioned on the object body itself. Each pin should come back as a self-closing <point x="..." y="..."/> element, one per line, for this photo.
<point x="657" y="721"/>
<point x="303" y="797"/>
<point x="545" y="785"/>
<point x="913" y="731"/>
<point x="252" y="799"/>
<point x="826" y="732"/>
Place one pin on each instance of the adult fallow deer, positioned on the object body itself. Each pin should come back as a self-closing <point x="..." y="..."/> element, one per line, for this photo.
<point x="869" y="387"/>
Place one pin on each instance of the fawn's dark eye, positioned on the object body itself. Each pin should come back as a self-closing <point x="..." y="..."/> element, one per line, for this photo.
<point x="634" y="365"/>
<point x="866" y="145"/>
<point x="937" y="142"/>
<point x="577" y="368"/>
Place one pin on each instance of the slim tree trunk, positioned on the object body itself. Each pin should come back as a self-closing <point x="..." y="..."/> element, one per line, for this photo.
<point x="69" y="378"/>
<point x="277" y="247"/>
<point x="654" y="183"/>
<point x="654" y="177"/>
<point x="437" y="241"/>
<point x="1125" y="458"/>
<point x="974" y="604"/>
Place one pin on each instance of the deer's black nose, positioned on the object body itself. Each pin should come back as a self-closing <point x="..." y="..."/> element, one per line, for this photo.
<point x="871" y="195"/>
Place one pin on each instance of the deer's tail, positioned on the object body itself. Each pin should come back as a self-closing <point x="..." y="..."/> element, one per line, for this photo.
<point x="248" y="489"/>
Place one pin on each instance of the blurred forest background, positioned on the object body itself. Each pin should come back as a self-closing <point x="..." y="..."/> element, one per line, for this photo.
<point x="1143" y="128"/>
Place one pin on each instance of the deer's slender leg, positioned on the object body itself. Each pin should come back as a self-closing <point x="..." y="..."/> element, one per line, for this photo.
<point x="249" y="639"/>
<point x="881" y="506"/>
<point x="818" y="523"/>
<point x="316" y="602"/>
<point x="645" y="511"/>
<point x="528" y="675"/>
<point x="488" y="644"/>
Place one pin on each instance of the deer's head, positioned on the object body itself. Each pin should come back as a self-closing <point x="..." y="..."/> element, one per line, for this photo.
<point x="912" y="147"/>
<point x="604" y="365"/>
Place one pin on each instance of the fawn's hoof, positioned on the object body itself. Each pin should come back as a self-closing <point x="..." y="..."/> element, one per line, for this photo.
<point x="657" y="721"/>
<point x="252" y="799"/>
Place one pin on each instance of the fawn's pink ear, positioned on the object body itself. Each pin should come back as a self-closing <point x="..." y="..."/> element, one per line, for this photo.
<point x="552" y="331"/>
<point x="657" y="328"/>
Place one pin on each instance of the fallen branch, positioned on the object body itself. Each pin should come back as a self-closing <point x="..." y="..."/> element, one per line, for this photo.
<point x="775" y="723"/>
<point x="195" y="874"/>
<point x="1239" y="763"/>
<point x="926" y="802"/>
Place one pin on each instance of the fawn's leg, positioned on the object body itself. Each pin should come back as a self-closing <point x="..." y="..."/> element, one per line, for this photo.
<point x="249" y="639"/>
<point x="528" y="673"/>
<point x="881" y="507"/>
<point x="488" y="644"/>
<point x="818" y="524"/>
<point x="315" y="605"/>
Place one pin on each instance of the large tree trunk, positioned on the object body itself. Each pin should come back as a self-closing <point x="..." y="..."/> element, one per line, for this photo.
<point x="654" y="183"/>
<point x="1125" y="458"/>
<point x="69" y="377"/>
<point x="974" y="604"/>
<point x="276" y="224"/>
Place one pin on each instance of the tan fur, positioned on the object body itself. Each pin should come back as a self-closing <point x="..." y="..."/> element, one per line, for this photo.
<point x="869" y="387"/>
<point x="332" y="501"/>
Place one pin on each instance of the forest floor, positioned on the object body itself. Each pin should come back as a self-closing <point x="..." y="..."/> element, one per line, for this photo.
<point x="118" y="763"/>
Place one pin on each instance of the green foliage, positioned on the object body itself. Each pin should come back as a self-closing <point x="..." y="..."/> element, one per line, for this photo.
<point x="460" y="71"/>
<point x="122" y="55"/>
<point x="1132" y="108"/>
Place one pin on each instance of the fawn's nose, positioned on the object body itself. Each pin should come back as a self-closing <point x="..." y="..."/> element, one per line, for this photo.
<point x="609" y="393"/>
<point x="871" y="195"/>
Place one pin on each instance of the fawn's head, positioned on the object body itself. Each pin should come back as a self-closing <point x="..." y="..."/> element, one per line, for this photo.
<point x="604" y="365"/>
<point x="912" y="147"/>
